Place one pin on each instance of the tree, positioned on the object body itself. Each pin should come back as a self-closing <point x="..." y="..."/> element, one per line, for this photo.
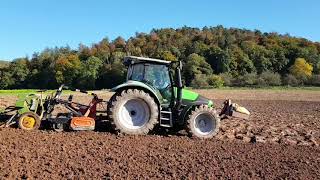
<point x="301" y="69"/>
<point x="102" y="50"/>
<point x="317" y="68"/>
<point x="4" y="64"/>
<point x="119" y="42"/>
<point x="215" y="81"/>
<point x="6" y="80"/>
<point x="278" y="59"/>
<point x="218" y="59"/>
<point x="199" y="47"/>
<point x="111" y="75"/>
<point x="167" y="55"/>
<point x="240" y="63"/>
<point x="199" y="81"/>
<point x="195" y="65"/>
<point x="268" y="78"/>
<point x="84" y="52"/>
<point x="67" y="68"/>
<point x="19" y="71"/>
<point x="89" y="72"/>
<point x="259" y="55"/>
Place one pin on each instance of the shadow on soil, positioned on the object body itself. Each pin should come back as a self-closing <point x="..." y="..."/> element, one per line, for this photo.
<point x="102" y="126"/>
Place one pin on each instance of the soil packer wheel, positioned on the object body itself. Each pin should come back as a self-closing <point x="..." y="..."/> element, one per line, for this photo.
<point x="58" y="127"/>
<point x="203" y="122"/>
<point x="29" y="121"/>
<point x="133" y="112"/>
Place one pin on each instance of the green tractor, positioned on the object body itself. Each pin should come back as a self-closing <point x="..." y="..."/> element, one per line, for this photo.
<point x="153" y="94"/>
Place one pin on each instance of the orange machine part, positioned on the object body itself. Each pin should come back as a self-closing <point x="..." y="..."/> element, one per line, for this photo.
<point x="82" y="123"/>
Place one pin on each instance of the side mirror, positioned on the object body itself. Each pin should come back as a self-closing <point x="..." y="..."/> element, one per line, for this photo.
<point x="178" y="78"/>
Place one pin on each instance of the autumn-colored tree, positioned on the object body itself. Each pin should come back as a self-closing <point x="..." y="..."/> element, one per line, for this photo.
<point x="167" y="55"/>
<point x="301" y="69"/>
<point x="119" y="42"/>
<point x="67" y="68"/>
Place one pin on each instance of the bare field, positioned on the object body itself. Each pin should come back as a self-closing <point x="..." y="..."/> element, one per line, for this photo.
<point x="281" y="140"/>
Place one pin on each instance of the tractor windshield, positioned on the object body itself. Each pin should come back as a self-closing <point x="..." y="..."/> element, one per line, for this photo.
<point x="137" y="72"/>
<point x="158" y="75"/>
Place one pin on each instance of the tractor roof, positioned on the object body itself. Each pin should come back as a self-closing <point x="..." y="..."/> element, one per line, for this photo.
<point x="136" y="59"/>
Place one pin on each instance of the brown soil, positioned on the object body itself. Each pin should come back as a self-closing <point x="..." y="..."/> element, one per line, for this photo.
<point x="48" y="155"/>
<point x="279" y="141"/>
<point x="284" y="122"/>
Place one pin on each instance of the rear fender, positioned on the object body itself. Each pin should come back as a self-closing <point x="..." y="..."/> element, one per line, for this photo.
<point x="139" y="85"/>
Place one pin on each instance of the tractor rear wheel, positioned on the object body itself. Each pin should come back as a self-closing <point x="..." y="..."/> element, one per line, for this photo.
<point x="133" y="112"/>
<point x="203" y="122"/>
<point x="29" y="121"/>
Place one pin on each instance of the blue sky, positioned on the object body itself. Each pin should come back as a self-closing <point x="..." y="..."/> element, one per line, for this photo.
<point x="30" y="26"/>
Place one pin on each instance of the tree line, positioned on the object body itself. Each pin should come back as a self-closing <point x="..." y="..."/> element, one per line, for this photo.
<point x="212" y="57"/>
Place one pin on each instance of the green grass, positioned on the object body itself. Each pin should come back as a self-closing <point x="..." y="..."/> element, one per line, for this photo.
<point x="18" y="91"/>
<point x="23" y="92"/>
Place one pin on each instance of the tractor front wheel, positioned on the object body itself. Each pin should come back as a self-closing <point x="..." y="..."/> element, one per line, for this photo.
<point x="29" y="121"/>
<point x="133" y="112"/>
<point x="203" y="122"/>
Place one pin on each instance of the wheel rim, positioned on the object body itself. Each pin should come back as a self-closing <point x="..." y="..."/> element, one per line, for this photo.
<point x="58" y="127"/>
<point x="204" y="124"/>
<point x="134" y="113"/>
<point x="28" y="122"/>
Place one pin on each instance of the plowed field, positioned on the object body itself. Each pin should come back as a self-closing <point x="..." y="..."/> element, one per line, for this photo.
<point x="281" y="140"/>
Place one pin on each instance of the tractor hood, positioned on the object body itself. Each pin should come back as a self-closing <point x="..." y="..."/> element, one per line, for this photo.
<point x="137" y="84"/>
<point x="193" y="98"/>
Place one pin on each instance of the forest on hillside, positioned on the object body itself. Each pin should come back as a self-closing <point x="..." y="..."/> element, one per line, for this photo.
<point x="212" y="57"/>
<point x="3" y="64"/>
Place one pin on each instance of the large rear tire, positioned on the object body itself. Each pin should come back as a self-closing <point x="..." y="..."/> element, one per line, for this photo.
<point x="133" y="112"/>
<point x="203" y="122"/>
<point x="29" y="121"/>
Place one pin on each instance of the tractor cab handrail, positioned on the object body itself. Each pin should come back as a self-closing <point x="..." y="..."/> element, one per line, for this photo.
<point x="62" y="87"/>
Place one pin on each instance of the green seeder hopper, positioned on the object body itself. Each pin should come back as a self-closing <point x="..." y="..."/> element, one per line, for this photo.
<point x="27" y="112"/>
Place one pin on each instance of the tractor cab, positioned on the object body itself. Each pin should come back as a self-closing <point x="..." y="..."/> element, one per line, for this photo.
<point x="154" y="74"/>
<point x="164" y="77"/>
